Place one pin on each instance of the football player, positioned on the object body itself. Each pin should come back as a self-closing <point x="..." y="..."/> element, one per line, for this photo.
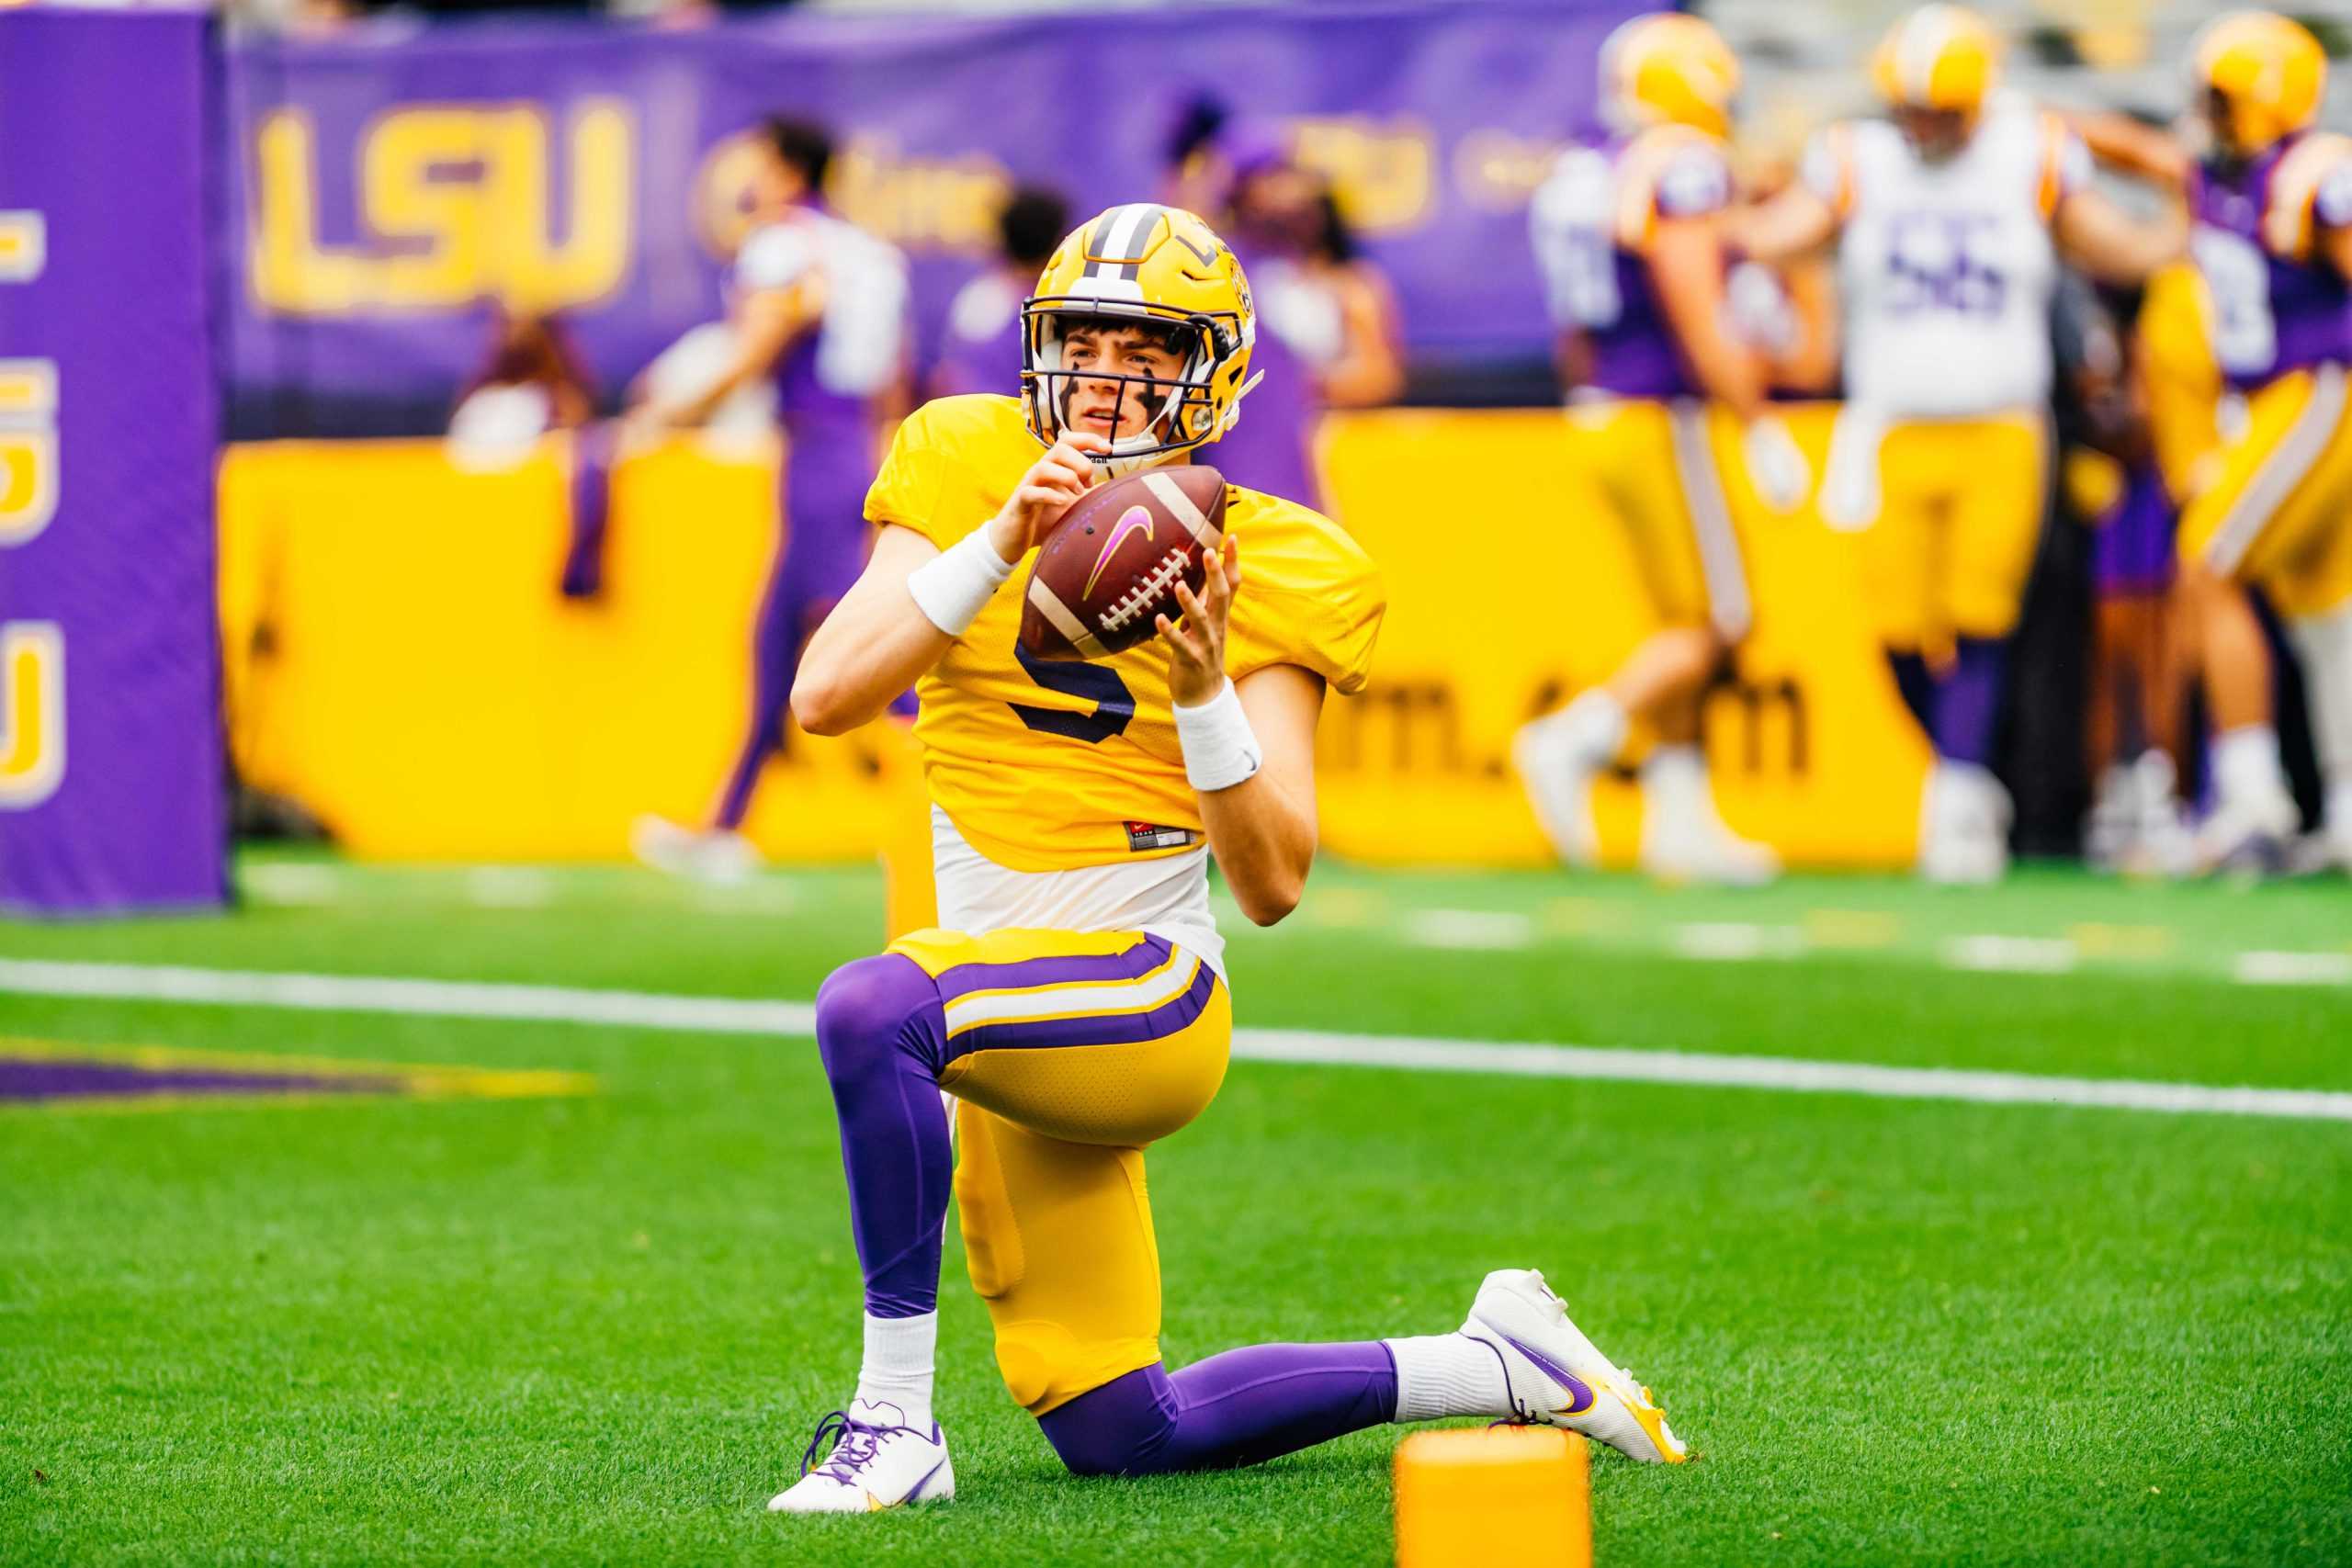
<point x="1630" y="236"/>
<point x="1949" y="222"/>
<point x="821" y="308"/>
<point x="981" y="351"/>
<point x="1074" y="997"/>
<point x="2272" y="198"/>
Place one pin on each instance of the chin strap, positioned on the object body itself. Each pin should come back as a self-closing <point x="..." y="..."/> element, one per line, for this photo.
<point x="1233" y="409"/>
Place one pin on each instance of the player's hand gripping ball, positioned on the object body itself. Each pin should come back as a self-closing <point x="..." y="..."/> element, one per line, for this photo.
<point x="1110" y="568"/>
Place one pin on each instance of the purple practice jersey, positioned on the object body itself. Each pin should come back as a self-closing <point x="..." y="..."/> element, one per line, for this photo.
<point x="828" y="381"/>
<point x="1593" y="219"/>
<point x="2279" y="305"/>
<point x="1269" y="449"/>
<point x="2131" y="549"/>
<point x="981" y="352"/>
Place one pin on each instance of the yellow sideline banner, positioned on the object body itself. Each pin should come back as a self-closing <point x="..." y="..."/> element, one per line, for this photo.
<point x="1509" y="592"/>
<point x="399" y="659"/>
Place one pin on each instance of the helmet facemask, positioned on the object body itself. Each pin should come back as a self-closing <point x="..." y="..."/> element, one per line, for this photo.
<point x="1184" y="410"/>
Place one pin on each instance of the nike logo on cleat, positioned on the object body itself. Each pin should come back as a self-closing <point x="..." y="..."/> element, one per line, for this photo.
<point x="1579" y="1392"/>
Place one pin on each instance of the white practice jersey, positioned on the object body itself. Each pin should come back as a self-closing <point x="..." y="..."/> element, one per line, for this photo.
<point x="1946" y="269"/>
<point x="861" y="338"/>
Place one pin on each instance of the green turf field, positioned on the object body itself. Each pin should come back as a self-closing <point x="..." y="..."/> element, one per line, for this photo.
<point x="597" y="1327"/>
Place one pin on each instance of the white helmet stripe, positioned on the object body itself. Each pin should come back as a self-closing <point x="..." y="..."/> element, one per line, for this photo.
<point x="1119" y="241"/>
<point x="1919" y="45"/>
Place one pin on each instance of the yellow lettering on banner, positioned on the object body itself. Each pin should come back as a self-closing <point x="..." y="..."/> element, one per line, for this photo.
<point x="1498" y="171"/>
<point x="457" y="201"/>
<point x="24" y="246"/>
<point x="290" y="272"/>
<point x="1381" y="172"/>
<point x="32" y="712"/>
<point x="29" y="471"/>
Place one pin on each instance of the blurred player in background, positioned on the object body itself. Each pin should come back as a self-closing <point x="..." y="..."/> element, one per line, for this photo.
<point x="1261" y="210"/>
<point x="1075" y="999"/>
<point x="532" y="384"/>
<point x="2272" y="198"/>
<point x="1949" y="222"/>
<point x="1630" y="237"/>
<point x="2131" y="721"/>
<point x="1330" y="305"/>
<point x="982" y="349"/>
<point x="822" y="308"/>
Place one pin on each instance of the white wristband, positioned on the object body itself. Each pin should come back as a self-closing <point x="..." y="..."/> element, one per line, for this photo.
<point x="952" y="587"/>
<point x="1220" y="749"/>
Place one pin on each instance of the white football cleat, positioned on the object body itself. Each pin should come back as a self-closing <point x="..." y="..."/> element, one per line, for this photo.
<point x="1557" y="771"/>
<point x="877" y="1461"/>
<point x="1695" y="846"/>
<point x="2251" y="833"/>
<point x="1558" y="1378"/>
<point x="1965" y="817"/>
<point x="715" y="856"/>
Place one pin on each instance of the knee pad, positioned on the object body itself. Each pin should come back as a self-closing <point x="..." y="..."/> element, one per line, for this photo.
<point x="875" y="1005"/>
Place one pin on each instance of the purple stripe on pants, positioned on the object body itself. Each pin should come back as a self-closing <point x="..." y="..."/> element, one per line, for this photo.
<point x="1109" y="1029"/>
<point x="1131" y="961"/>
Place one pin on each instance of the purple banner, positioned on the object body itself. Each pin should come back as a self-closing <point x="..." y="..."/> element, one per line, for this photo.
<point x="393" y="185"/>
<point x="110" y="755"/>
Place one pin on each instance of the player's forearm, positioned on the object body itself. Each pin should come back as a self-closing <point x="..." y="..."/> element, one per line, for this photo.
<point x="875" y="643"/>
<point x="857" y="663"/>
<point x="2122" y="142"/>
<point x="1264" y="839"/>
<point x="2114" y="247"/>
<point x="1791" y="224"/>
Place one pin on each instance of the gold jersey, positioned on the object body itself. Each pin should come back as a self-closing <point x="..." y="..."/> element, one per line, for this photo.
<point x="2183" y="378"/>
<point x="1054" y="765"/>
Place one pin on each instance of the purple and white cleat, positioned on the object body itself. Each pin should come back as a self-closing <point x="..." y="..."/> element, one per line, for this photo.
<point x="1559" y="1378"/>
<point x="877" y="1461"/>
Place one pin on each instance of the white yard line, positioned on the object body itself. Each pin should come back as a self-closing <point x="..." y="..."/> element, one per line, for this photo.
<point x="2293" y="969"/>
<point x="553" y="1004"/>
<point x="1469" y="930"/>
<point x="1720" y="941"/>
<point x="2010" y="954"/>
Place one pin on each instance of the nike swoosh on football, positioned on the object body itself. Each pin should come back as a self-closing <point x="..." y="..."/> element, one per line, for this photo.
<point x="1134" y="519"/>
<point x="1579" y="1391"/>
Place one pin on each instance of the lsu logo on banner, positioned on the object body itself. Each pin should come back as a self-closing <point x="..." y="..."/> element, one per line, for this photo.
<point x="27" y="449"/>
<point x="431" y="242"/>
<point x="32" y="712"/>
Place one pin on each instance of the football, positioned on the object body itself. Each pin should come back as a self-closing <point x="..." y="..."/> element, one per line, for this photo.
<point x="1111" y="564"/>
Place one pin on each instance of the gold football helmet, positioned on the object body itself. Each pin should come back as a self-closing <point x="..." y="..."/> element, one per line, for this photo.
<point x="2267" y="71"/>
<point x="1668" y="69"/>
<point x="1142" y="262"/>
<point x="1940" y="58"/>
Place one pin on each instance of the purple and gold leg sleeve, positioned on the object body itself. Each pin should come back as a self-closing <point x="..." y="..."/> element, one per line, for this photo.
<point x="1242" y="1408"/>
<point x="1068" y="1052"/>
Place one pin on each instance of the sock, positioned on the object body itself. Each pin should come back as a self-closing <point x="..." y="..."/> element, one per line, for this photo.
<point x="1968" y="701"/>
<point x="2247" y="765"/>
<point x="897" y="1365"/>
<point x="1448" y="1374"/>
<point x="2324" y="644"/>
<point x="1674" y="781"/>
<point x="1242" y="1408"/>
<point x="1595" y="724"/>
